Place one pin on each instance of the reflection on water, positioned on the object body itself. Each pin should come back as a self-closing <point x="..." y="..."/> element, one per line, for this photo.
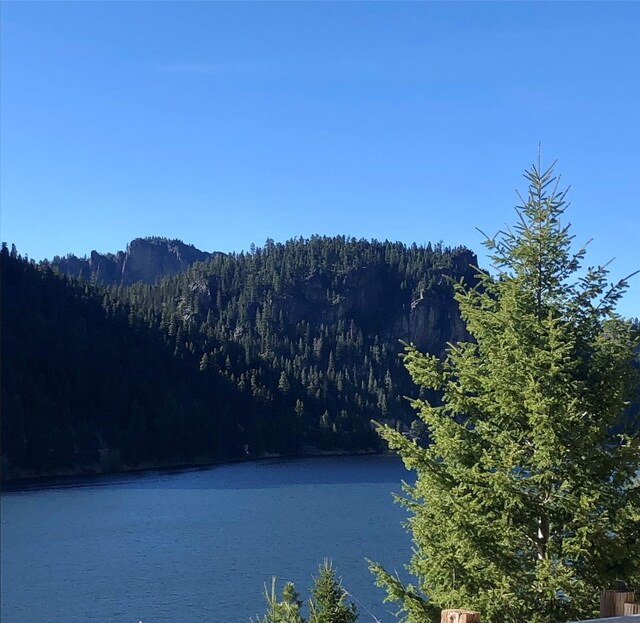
<point x="197" y="545"/>
<point x="245" y="475"/>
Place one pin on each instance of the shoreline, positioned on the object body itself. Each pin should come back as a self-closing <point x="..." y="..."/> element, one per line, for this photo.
<point x="70" y="478"/>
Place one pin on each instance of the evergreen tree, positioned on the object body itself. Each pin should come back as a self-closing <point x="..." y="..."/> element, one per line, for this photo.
<point x="325" y="606"/>
<point x="527" y="501"/>
<point x="328" y="597"/>
<point x="284" y="610"/>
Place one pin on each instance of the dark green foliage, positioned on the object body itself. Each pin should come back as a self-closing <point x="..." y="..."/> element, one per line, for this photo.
<point x="289" y="349"/>
<point x="87" y="383"/>
<point x="527" y="500"/>
<point x="308" y="330"/>
<point x="326" y="605"/>
<point x="287" y="609"/>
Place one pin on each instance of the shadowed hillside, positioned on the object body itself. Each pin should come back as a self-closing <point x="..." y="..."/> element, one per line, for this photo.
<point x="290" y="348"/>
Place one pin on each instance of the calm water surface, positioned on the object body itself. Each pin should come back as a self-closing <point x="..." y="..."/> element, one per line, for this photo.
<point x="198" y="546"/>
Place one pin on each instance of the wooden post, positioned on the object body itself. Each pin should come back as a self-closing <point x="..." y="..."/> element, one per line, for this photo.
<point x="612" y="602"/>
<point x="630" y="609"/>
<point x="459" y="616"/>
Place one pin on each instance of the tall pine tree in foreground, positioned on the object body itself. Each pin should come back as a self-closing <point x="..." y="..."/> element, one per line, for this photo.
<point x="527" y="502"/>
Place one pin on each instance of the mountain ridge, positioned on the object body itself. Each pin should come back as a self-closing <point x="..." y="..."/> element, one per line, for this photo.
<point x="144" y="259"/>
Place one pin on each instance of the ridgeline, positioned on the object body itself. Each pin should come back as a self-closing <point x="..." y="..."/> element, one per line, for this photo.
<point x="288" y="349"/>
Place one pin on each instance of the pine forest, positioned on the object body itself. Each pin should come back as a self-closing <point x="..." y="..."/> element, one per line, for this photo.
<point x="290" y="349"/>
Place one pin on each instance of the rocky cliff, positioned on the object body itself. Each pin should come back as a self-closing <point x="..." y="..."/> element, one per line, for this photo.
<point x="374" y="301"/>
<point x="375" y="298"/>
<point x="146" y="260"/>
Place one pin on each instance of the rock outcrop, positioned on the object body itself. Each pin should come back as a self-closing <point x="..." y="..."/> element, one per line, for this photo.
<point x="372" y="297"/>
<point x="430" y="323"/>
<point x="146" y="260"/>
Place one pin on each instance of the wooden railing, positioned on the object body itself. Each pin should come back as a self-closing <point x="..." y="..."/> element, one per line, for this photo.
<point x="623" y="619"/>
<point x="615" y="607"/>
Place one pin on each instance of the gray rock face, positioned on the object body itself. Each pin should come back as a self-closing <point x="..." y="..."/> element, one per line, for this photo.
<point x="362" y="289"/>
<point x="430" y="323"/>
<point x="374" y="299"/>
<point x="146" y="259"/>
<point x="106" y="268"/>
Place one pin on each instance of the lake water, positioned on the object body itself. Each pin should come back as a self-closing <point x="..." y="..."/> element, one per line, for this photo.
<point x="199" y="545"/>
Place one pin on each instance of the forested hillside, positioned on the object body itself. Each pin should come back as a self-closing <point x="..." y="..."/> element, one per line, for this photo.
<point x="85" y="382"/>
<point x="290" y="348"/>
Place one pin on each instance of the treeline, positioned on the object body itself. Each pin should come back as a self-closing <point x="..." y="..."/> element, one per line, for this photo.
<point x="84" y="383"/>
<point x="289" y="348"/>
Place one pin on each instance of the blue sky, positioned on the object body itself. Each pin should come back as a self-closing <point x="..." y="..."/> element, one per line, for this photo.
<point x="224" y="124"/>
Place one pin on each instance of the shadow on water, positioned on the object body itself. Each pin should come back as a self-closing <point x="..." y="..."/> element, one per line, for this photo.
<point x="258" y="474"/>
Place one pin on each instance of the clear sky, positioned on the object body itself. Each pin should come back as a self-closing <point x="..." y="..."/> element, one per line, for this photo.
<point x="224" y="124"/>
